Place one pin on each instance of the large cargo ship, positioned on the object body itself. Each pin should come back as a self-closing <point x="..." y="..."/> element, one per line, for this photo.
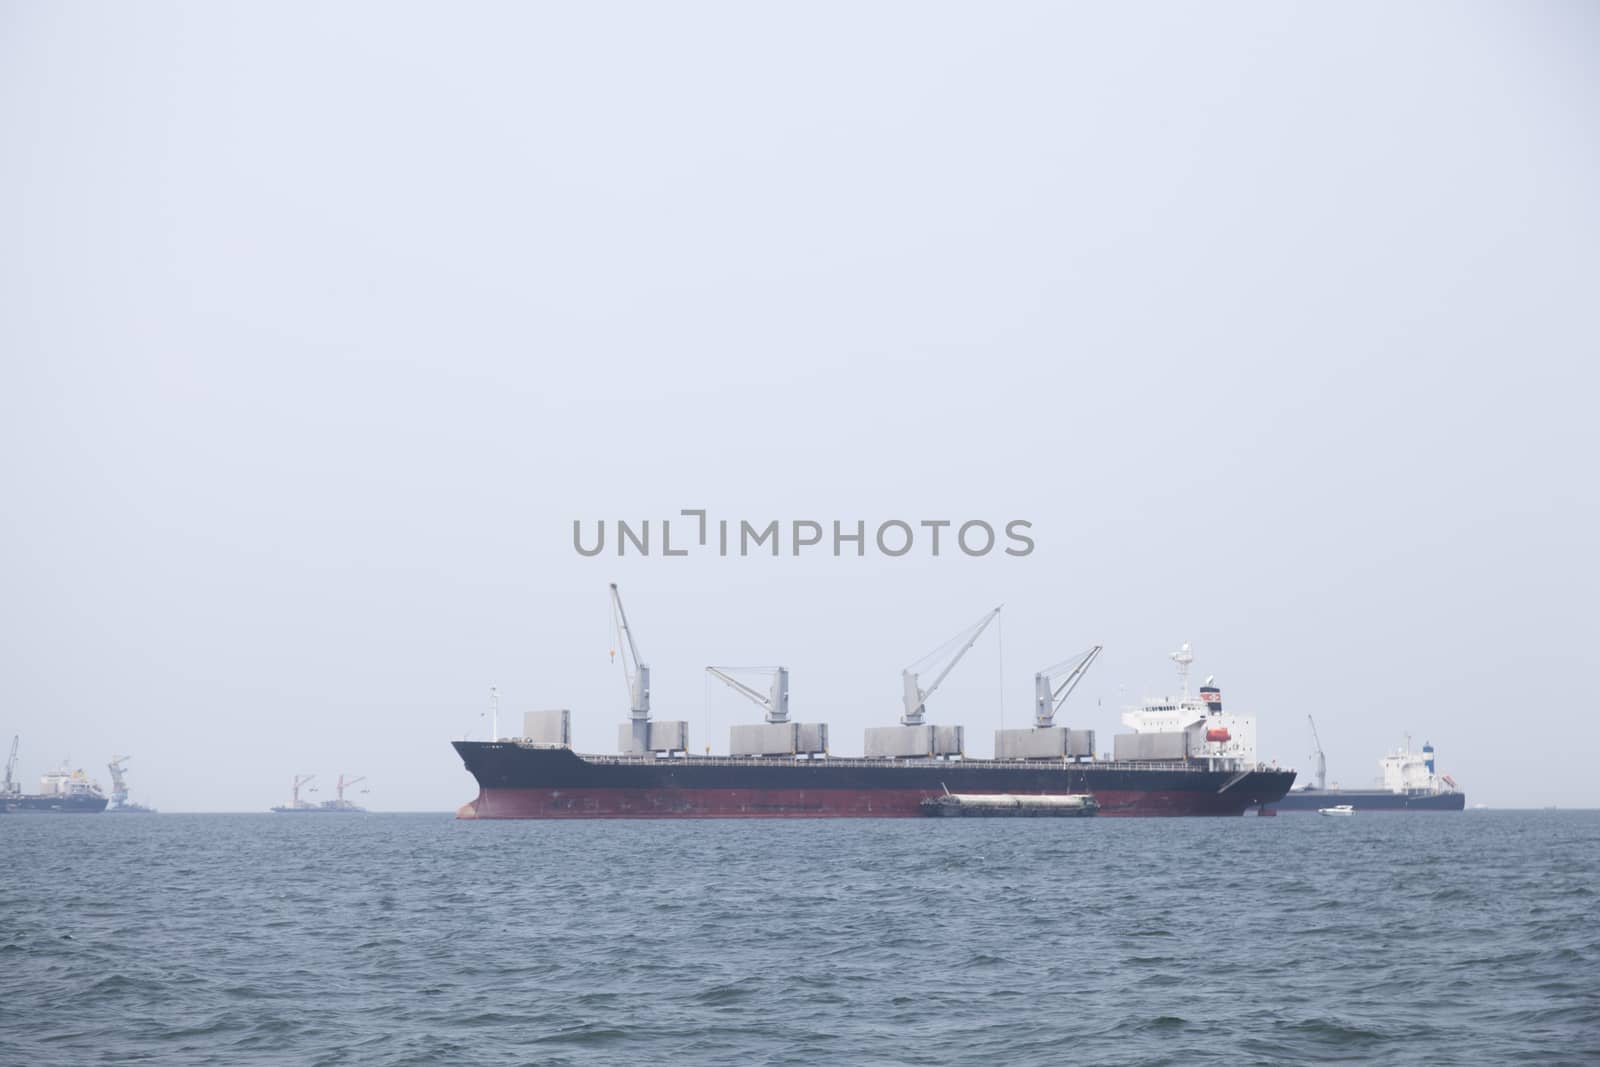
<point x="61" y="792"/>
<point x="1185" y="757"/>
<point x="1410" y="782"/>
<point x="522" y="781"/>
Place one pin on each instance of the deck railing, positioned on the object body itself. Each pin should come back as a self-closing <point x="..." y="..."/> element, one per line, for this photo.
<point x="651" y="760"/>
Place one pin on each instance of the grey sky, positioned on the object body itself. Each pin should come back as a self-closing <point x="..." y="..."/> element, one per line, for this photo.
<point x="321" y="323"/>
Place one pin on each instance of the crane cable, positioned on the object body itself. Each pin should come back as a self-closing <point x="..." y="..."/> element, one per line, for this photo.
<point x="1000" y="640"/>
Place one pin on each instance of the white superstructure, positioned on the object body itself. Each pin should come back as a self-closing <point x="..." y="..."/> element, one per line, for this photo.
<point x="1209" y="732"/>
<point x="66" y="783"/>
<point x="1405" y="771"/>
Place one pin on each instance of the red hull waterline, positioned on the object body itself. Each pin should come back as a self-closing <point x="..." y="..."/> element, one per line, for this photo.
<point x="611" y="803"/>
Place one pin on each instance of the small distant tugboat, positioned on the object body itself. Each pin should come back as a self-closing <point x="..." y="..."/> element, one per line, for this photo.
<point x="337" y="806"/>
<point x="61" y="792"/>
<point x="1337" y="809"/>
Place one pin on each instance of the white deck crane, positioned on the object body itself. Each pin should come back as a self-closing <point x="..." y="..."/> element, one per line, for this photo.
<point x="1047" y="699"/>
<point x="294" y="791"/>
<point x="775" y="701"/>
<point x="915" y="697"/>
<point x="119" y="784"/>
<point x="345" y="783"/>
<point x="11" y="769"/>
<point x="636" y="673"/>
<point x="1317" y="759"/>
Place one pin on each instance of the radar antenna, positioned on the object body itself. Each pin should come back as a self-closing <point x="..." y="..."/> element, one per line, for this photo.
<point x="1047" y="700"/>
<point x="915" y="697"/>
<point x="775" y="701"/>
<point x="1183" y="658"/>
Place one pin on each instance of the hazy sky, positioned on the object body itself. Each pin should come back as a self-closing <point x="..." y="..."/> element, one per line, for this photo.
<point x="320" y="324"/>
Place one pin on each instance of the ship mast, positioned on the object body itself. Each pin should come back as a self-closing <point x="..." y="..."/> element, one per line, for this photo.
<point x="1183" y="658"/>
<point x="11" y="768"/>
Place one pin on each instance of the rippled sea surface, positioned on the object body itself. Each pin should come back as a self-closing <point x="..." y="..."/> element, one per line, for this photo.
<point x="416" y="939"/>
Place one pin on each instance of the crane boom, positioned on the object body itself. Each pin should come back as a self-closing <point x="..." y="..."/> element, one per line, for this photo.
<point x="915" y="697"/>
<point x="345" y="783"/>
<point x="1048" y="698"/>
<point x="11" y="766"/>
<point x="636" y="673"/>
<point x="1317" y="759"/>
<point x="775" y="702"/>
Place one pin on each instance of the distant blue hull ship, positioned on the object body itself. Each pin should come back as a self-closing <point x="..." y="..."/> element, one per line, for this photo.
<point x="1411" y="782"/>
<point x="24" y="804"/>
<point x="1310" y="800"/>
<point x="61" y="792"/>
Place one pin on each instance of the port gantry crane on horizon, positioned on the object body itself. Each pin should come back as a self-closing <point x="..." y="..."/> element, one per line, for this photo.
<point x="119" y="784"/>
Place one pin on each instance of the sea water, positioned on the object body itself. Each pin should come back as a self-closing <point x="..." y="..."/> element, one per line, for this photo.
<point x="417" y="939"/>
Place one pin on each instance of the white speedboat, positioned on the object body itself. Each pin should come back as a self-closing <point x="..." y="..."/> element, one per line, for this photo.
<point x="1337" y="809"/>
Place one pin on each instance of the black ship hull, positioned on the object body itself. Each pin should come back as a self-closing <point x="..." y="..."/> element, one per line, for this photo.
<point x="1311" y="800"/>
<point x="52" y="805"/>
<point x="527" y="782"/>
